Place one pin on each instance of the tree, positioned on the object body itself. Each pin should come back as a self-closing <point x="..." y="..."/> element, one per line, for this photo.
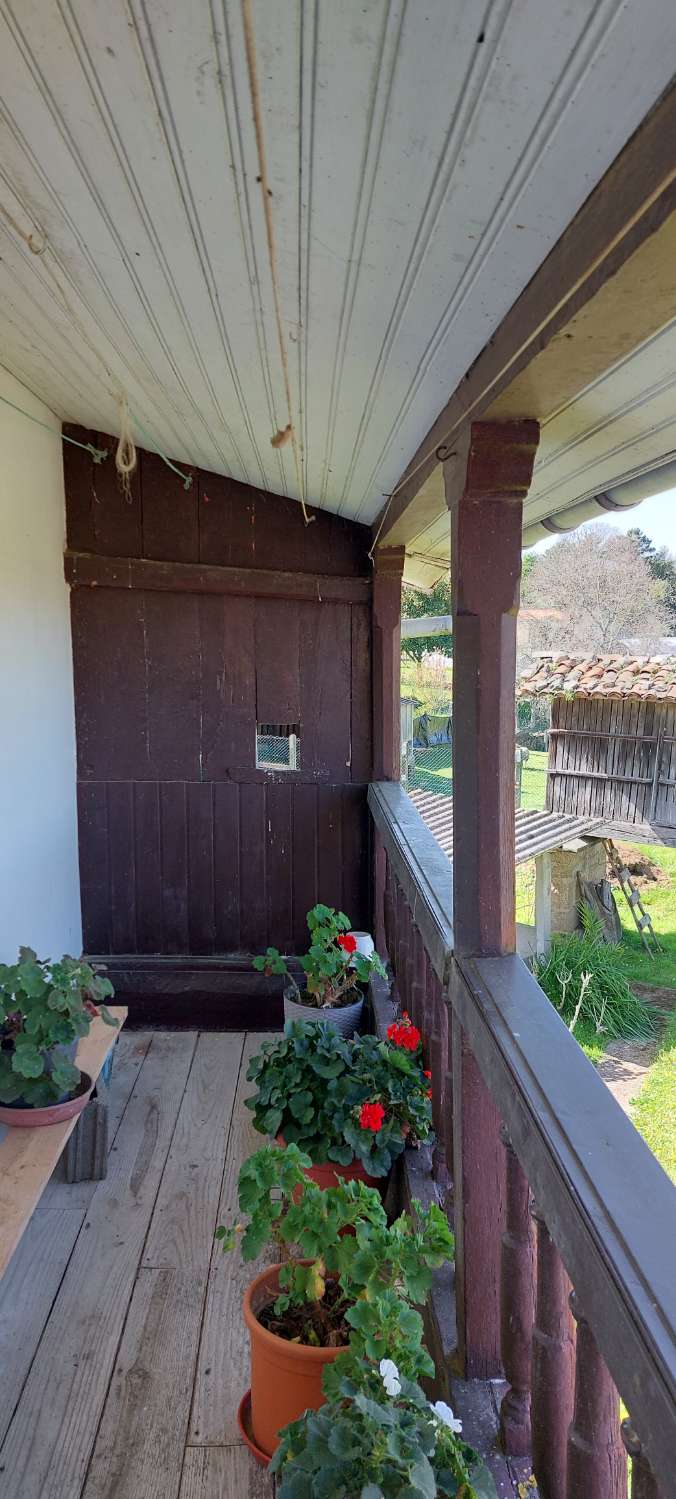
<point x="662" y="568"/>
<point x="601" y="584"/>
<point x="414" y="604"/>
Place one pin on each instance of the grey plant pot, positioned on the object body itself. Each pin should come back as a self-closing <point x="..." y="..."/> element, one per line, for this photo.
<point x="346" y="1019"/>
<point x="64" y="1051"/>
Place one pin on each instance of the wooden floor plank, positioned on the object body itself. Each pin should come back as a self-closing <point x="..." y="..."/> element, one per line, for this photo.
<point x="139" y="1447"/>
<point x="39" y="1262"/>
<point x="222" y="1373"/>
<point x="224" y="1473"/>
<point x="27" y="1292"/>
<point x="48" y="1446"/>
<point x="130" y="1053"/>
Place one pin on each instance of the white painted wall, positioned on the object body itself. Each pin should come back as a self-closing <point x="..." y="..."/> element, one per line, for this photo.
<point x="39" y="881"/>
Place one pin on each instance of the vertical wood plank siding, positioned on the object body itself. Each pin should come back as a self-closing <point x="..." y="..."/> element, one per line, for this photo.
<point x="613" y="759"/>
<point x="185" y="846"/>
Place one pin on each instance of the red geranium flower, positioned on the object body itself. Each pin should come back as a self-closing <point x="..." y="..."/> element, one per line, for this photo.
<point x="371" y="1116"/>
<point x="404" y="1034"/>
<point x="348" y="942"/>
<point x="429" y="1092"/>
<point x="427" y="1074"/>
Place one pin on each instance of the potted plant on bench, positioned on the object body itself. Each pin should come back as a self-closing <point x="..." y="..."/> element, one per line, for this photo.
<point x="45" y="1009"/>
<point x="352" y="1106"/>
<point x="336" y="972"/>
<point x="378" y="1434"/>
<point x="338" y="1291"/>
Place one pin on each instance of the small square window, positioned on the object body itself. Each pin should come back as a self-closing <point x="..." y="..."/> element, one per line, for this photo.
<point x="278" y="746"/>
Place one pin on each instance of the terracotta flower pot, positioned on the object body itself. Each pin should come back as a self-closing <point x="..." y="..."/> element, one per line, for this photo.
<point x="330" y="1174"/>
<point x="20" y="1116"/>
<point x="286" y="1378"/>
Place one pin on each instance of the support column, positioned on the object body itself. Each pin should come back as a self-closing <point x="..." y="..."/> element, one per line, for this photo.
<point x="388" y="571"/>
<point x="486" y="480"/>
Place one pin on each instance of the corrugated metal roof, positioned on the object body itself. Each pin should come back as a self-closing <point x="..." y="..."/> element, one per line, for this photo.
<point x="648" y="678"/>
<point x="536" y="832"/>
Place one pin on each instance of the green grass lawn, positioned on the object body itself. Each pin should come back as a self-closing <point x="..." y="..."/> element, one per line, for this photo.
<point x="660" y="901"/>
<point x="654" y="1111"/>
<point x="534" y="781"/>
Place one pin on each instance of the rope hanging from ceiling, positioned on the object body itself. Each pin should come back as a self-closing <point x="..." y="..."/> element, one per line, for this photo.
<point x="287" y="433"/>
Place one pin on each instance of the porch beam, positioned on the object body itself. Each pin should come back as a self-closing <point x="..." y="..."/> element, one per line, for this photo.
<point x="630" y="204"/>
<point x="485" y="484"/>
<point x="88" y="570"/>
<point x="387" y="576"/>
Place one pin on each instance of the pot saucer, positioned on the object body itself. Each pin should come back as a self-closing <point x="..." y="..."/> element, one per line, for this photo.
<point x="244" y="1423"/>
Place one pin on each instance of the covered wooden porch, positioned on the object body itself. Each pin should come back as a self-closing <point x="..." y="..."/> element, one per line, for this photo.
<point x="485" y="375"/>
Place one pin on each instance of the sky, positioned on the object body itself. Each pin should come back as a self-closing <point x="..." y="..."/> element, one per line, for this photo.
<point x="656" y="516"/>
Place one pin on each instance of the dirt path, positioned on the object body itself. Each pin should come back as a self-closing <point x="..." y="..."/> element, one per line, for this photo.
<point x="624" y="1068"/>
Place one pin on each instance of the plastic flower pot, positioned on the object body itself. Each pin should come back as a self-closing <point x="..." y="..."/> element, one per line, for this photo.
<point x="331" y="1174"/>
<point x="344" y="1018"/>
<point x="365" y="944"/>
<point x="286" y="1378"/>
<point x="20" y="1117"/>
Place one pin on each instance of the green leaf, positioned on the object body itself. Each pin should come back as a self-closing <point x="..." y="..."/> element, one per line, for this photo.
<point x="340" y="1439"/>
<point x="27" y="1060"/>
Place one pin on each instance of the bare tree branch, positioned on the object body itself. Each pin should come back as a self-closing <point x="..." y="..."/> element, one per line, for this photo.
<point x="603" y="587"/>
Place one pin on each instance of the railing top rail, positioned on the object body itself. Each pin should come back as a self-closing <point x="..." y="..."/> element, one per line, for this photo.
<point x="421" y="867"/>
<point x="608" y="1205"/>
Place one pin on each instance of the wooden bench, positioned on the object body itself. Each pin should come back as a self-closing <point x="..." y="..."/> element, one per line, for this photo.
<point x="28" y="1156"/>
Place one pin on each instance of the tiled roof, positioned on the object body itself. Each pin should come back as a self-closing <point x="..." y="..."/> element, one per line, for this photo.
<point x="650" y="678"/>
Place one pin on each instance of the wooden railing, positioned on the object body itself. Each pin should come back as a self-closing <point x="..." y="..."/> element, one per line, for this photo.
<point x="586" y="1217"/>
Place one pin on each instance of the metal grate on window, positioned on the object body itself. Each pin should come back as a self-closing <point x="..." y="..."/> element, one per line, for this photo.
<point x="278" y="746"/>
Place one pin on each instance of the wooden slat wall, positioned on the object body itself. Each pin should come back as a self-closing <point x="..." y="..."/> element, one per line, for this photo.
<point x="185" y="846"/>
<point x="595" y="771"/>
<point x="195" y="867"/>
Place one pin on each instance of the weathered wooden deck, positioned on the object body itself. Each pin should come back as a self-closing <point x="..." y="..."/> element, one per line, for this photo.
<point x="122" y="1349"/>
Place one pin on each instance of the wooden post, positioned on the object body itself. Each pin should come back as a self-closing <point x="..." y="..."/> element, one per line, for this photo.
<point x="543" y="902"/>
<point x="486" y="480"/>
<point x="516" y="1300"/>
<point x="553" y="1368"/>
<point x="644" y="1484"/>
<point x="379" y="879"/>
<point x="388" y="571"/>
<point x="597" y="1464"/>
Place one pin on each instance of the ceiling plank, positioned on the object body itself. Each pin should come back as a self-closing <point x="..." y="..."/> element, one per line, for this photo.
<point x="634" y="199"/>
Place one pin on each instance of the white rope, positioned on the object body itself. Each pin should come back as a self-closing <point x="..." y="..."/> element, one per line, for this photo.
<point x="288" y="433"/>
<point x="125" y="454"/>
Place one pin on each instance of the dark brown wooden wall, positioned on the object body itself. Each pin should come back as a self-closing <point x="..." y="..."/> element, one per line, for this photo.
<point x="185" y="847"/>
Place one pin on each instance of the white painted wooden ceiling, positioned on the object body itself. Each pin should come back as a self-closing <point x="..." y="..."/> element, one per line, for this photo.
<point x="423" y="156"/>
<point x="621" y="426"/>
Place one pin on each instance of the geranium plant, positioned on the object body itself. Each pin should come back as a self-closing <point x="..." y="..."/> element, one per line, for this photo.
<point x="340" y="1100"/>
<point x="45" y="1007"/>
<point x="358" y="1289"/>
<point x="332" y="966"/>
<point x="378" y="1436"/>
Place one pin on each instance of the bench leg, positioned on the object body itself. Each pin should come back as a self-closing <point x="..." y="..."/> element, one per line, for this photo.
<point x="86" y="1153"/>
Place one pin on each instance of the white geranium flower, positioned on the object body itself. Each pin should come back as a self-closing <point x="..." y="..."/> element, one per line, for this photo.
<point x="389" y="1374"/>
<point x="444" y="1414"/>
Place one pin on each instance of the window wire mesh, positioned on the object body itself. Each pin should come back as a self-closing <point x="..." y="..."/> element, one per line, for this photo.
<point x="278" y="746"/>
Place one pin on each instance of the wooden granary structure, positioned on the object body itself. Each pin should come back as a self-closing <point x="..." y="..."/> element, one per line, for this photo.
<point x="612" y="744"/>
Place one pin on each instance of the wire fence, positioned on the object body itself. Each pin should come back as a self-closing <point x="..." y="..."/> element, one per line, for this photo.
<point x="430" y="768"/>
